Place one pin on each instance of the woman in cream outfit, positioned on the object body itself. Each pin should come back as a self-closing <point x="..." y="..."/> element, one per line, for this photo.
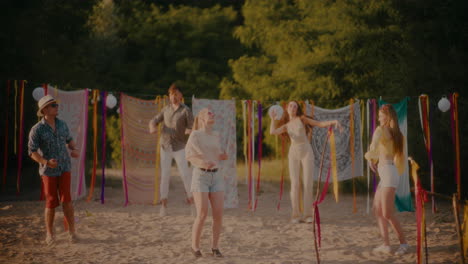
<point x="387" y="149"/>
<point x="203" y="150"/>
<point x="295" y="125"/>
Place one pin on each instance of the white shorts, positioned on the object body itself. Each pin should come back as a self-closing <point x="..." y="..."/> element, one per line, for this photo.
<point x="388" y="174"/>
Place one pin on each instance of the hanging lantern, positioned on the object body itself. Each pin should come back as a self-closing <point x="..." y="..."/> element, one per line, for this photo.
<point x="444" y="104"/>
<point x="38" y="93"/>
<point x="111" y="101"/>
<point x="277" y="110"/>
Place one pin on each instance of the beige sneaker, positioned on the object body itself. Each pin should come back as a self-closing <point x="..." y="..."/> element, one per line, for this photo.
<point x="309" y="220"/>
<point x="50" y="240"/>
<point x="382" y="249"/>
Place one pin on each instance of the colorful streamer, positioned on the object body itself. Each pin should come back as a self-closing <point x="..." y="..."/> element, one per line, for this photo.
<point x="95" y="135"/>
<point x="122" y="142"/>
<point x="21" y="138"/>
<point x="334" y="167"/>
<point x="259" y="153"/>
<point x="103" y="143"/>
<point x="283" y="165"/>
<point x="16" y="118"/>
<point x="351" y="148"/>
<point x="455" y="139"/>
<point x="424" y="114"/>
<point x="5" y="146"/>
<point x="160" y="102"/>
<point x="421" y="198"/>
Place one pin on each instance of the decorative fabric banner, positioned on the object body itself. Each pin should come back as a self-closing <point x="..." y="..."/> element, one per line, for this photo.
<point x="225" y="124"/>
<point x="138" y="149"/>
<point x="73" y="109"/>
<point x="343" y="155"/>
<point x="403" y="199"/>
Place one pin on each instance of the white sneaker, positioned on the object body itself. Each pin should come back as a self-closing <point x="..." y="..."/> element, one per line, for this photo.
<point x="382" y="249"/>
<point x="402" y="249"/>
<point x="162" y="211"/>
<point x="309" y="220"/>
<point x="50" y="240"/>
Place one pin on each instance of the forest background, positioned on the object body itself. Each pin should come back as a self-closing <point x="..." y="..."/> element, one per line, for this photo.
<point x="268" y="50"/>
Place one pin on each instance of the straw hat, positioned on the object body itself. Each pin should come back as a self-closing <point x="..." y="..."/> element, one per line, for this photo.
<point x="44" y="102"/>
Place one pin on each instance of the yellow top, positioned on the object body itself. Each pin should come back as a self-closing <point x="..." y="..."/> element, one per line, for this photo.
<point x="382" y="146"/>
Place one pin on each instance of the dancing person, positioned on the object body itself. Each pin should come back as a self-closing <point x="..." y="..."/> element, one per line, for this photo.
<point x="295" y="125"/>
<point x="177" y="121"/>
<point x="204" y="152"/>
<point x="48" y="143"/>
<point x="387" y="149"/>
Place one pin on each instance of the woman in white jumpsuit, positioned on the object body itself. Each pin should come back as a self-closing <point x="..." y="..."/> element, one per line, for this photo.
<point x="295" y="125"/>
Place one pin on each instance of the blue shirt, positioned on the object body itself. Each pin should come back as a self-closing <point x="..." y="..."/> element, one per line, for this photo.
<point x="51" y="145"/>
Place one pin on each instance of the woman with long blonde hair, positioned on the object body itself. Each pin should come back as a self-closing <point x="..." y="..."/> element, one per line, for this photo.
<point x="386" y="157"/>
<point x="203" y="150"/>
<point x="296" y="126"/>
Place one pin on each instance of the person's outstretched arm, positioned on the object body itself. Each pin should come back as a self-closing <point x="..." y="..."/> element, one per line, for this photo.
<point x="153" y="123"/>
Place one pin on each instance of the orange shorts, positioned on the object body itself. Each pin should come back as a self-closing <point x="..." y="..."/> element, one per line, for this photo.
<point x="55" y="187"/>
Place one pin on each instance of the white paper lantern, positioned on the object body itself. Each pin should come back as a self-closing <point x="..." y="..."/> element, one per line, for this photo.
<point x="444" y="104"/>
<point x="111" y="101"/>
<point x="277" y="109"/>
<point x="38" y="93"/>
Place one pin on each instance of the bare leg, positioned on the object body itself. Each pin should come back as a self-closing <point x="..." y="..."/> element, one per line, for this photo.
<point x="294" y="170"/>
<point x="388" y="212"/>
<point x="217" y="207"/>
<point x="201" y="203"/>
<point x="69" y="214"/>
<point x="381" y="221"/>
<point x="49" y="215"/>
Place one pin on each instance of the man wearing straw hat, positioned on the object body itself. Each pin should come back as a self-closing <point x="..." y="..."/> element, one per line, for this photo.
<point x="177" y="122"/>
<point x="48" y="143"/>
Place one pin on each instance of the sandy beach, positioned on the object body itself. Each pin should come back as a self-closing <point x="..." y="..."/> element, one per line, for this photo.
<point x="112" y="233"/>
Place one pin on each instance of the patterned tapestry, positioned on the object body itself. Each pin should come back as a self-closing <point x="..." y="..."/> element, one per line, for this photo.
<point x="73" y="109"/>
<point x="403" y="199"/>
<point x="139" y="150"/>
<point x="343" y="152"/>
<point x="225" y="124"/>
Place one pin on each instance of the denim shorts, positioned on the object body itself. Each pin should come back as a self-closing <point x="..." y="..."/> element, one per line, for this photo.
<point x="205" y="181"/>
<point x="388" y="174"/>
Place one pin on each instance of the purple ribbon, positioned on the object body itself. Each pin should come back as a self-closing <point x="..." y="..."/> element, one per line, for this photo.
<point x="103" y="141"/>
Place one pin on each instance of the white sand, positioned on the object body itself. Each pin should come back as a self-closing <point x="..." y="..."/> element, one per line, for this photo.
<point x="111" y="233"/>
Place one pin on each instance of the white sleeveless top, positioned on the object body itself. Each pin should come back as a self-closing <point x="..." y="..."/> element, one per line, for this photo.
<point x="297" y="132"/>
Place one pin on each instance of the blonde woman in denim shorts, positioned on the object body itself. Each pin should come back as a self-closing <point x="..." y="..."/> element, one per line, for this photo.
<point x="203" y="150"/>
<point x="387" y="149"/>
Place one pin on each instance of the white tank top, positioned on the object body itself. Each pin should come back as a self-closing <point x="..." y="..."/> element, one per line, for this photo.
<point x="297" y="132"/>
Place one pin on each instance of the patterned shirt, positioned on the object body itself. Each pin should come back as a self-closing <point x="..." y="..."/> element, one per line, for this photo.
<point x="51" y="145"/>
<point x="175" y="122"/>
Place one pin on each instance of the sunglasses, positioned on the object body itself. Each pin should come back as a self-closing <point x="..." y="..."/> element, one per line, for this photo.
<point x="54" y="105"/>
